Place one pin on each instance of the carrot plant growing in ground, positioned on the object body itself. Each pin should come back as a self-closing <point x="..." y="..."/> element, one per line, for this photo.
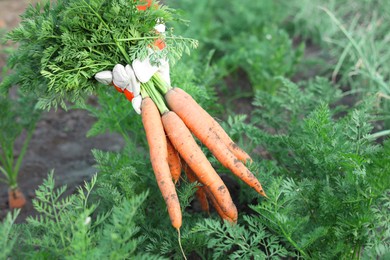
<point x="325" y="203"/>
<point x="18" y="120"/>
<point x="329" y="195"/>
<point x="353" y="36"/>
<point x="244" y="35"/>
<point x="7" y="240"/>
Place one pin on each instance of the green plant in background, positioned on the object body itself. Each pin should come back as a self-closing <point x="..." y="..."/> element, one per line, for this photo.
<point x="71" y="228"/>
<point x="328" y="194"/>
<point x="354" y="38"/>
<point x="250" y="240"/>
<point x="115" y="114"/>
<point x="113" y="216"/>
<point x="245" y="35"/>
<point x="7" y="240"/>
<point x="18" y="119"/>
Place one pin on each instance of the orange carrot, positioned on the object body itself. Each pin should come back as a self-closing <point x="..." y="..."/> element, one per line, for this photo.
<point x="157" y="141"/>
<point x="216" y="206"/>
<point x="16" y="198"/>
<point x="212" y="123"/>
<point x="200" y="193"/>
<point x="173" y="162"/>
<point x="191" y="153"/>
<point x="201" y="126"/>
<point x="204" y="203"/>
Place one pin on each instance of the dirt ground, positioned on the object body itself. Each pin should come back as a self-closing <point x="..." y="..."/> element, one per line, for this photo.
<point x="59" y="142"/>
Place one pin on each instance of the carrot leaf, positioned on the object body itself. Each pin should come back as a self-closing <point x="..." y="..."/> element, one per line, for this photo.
<point x="63" y="45"/>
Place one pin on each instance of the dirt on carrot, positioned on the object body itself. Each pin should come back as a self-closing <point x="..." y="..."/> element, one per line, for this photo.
<point x="202" y="125"/>
<point x="191" y="153"/>
<point x="225" y="138"/>
<point x="158" y="156"/>
<point x="173" y="162"/>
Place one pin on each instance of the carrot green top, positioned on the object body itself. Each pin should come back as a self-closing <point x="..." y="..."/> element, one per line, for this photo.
<point x="63" y="45"/>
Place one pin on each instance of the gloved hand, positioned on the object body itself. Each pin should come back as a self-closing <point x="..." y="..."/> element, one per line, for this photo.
<point x="124" y="81"/>
<point x="127" y="79"/>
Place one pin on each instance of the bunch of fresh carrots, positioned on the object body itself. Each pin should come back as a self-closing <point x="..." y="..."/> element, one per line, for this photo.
<point x="171" y="117"/>
<point x="170" y="124"/>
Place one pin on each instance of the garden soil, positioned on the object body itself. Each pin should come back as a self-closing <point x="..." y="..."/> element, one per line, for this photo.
<point x="59" y="142"/>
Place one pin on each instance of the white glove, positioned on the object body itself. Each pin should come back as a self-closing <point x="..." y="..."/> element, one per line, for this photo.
<point x="136" y="102"/>
<point x="163" y="70"/>
<point x="120" y="77"/>
<point x="130" y="77"/>
<point x="134" y="85"/>
<point x="104" y="77"/>
<point x="144" y="70"/>
<point x="125" y="80"/>
<point x="159" y="27"/>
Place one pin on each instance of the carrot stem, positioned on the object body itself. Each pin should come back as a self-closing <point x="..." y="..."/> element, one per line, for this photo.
<point x="160" y="83"/>
<point x="7" y="160"/>
<point x="155" y="96"/>
<point x="23" y="151"/>
<point x="144" y="93"/>
<point x="4" y="172"/>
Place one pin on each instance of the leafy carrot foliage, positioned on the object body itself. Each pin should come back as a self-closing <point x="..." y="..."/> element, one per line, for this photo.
<point x="18" y="119"/>
<point x="62" y="45"/>
<point x="325" y="195"/>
